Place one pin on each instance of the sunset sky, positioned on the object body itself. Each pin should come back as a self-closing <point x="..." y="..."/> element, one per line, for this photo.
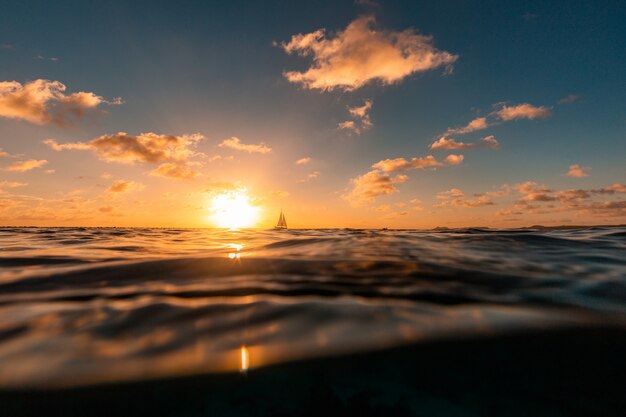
<point x="342" y="113"/>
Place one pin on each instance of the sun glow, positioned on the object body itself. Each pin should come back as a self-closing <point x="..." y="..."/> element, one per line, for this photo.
<point x="232" y="210"/>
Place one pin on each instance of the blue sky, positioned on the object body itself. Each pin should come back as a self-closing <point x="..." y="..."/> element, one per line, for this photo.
<point x="217" y="68"/>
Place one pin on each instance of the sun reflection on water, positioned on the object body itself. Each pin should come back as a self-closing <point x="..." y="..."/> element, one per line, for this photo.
<point x="237" y="247"/>
<point x="245" y="359"/>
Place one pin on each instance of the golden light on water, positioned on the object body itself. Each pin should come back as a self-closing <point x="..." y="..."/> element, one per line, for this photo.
<point x="245" y="359"/>
<point x="233" y="210"/>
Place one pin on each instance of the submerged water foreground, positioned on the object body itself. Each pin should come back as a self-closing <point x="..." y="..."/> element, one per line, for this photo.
<point x="397" y="322"/>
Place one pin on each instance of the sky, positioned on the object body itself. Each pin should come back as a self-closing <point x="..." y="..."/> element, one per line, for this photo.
<point x="399" y="114"/>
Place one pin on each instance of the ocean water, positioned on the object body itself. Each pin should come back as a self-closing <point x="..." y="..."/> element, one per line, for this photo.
<point x="356" y="322"/>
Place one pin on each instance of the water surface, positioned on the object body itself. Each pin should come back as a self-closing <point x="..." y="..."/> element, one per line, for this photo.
<point x="80" y="306"/>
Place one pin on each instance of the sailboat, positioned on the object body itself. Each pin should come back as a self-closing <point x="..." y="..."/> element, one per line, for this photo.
<point x="282" y="224"/>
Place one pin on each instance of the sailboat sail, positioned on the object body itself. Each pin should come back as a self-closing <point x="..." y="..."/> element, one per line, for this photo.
<point x="282" y="223"/>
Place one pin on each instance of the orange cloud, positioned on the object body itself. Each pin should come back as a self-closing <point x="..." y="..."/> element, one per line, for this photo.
<point x="452" y="193"/>
<point x="451" y="144"/>
<point x="12" y="184"/>
<point x="538" y="199"/>
<point x="362" y="118"/>
<point x="523" y="111"/>
<point x="615" y="188"/>
<point x="44" y="102"/>
<point x="123" y="186"/>
<point x="577" y="171"/>
<point x="504" y="114"/>
<point x="377" y="182"/>
<point x="534" y="192"/>
<point x="235" y="143"/>
<point x="454" y="159"/>
<point x="303" y="161"/>
<point x="26" y="165"/>
<point x="177" y="171"/>
<point x="479" y="123"/>
<point x="361" y="54"/>
<point x="371" y="185"/>
<point x="456" y="197"/>
<point x="311" y="176"/>
<point x="401" y="164"/>
<point x="145" y="147"/>
<point x="348" y="125"/>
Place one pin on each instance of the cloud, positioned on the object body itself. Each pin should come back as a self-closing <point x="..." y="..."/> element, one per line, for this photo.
<point x="348" y="125"/>
<point x="479" y="123"/>
<point x="523" y="111"/>
<point x="452" y="144"/>
<point x="361" y="117"/>
<point x="106" y="209"/>
<point x="50" y="171"/>
<point x="454" y="159"/>
<point x="361" y="54"/>
<point x="26" y="165"/>
<point x="145" y="147"/>
<point x="577" y="171"/>
<point x="371" y="185"/>
<point x="456" y="197"/>
<point x="43" y="58"/>
<point x="235" y="143"/>
<point x="45" y="102"/>
<point x="362" y="112"/>
<point x="177" y="171"/>
<point x="534" y="192"/>
<point x="303" y="161"/>
<point x="572" y="98"/>
<point x="12" y="184"/>
<point x="503" y="114"/>
<point x="123" y="186"/>
<point x="378" y="182"/>
<point x="615" y="188"/>
<point x="571" y="196"/>
<point x="220" y="158"/>
<point x="311" y="176"/>
<point x="401" y="164"/>
<point x="452" y="193"/>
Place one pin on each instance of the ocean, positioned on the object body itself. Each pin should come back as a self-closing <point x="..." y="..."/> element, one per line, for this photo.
<point x="460" y="322"/>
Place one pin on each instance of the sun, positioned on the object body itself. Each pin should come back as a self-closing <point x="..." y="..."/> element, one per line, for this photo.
<point x="232" y="210"/>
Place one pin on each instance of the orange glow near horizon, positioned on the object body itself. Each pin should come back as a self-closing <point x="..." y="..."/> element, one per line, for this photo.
<point x="233" y="210"/>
